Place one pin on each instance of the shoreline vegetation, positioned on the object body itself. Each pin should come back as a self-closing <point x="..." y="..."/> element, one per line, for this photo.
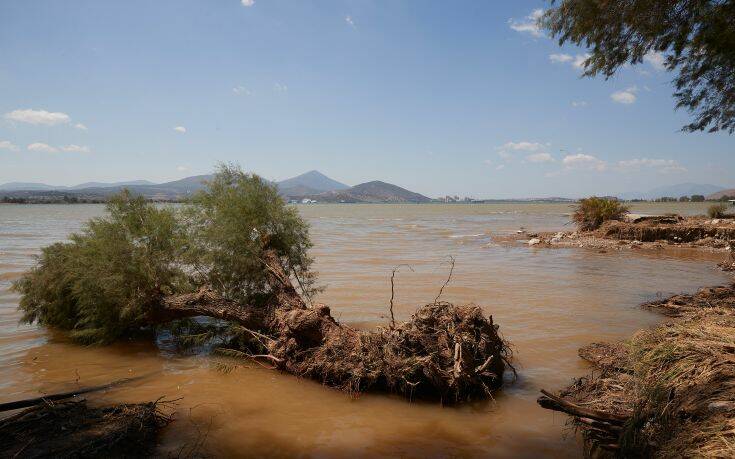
<point x="666" y="392"/>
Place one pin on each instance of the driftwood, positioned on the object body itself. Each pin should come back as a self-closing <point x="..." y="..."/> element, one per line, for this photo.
<point x="18" y="404"/>
<point x="603" y="428"/>
<point x="447" y="352"/>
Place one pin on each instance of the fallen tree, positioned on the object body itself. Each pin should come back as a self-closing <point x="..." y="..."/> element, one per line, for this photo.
<point x="238" y="256"/>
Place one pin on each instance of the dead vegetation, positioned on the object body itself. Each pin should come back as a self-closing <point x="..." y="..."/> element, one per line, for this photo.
<point x="689" y="230"/>
<point x="69" y="429"/>
<point x="668" y="392"/>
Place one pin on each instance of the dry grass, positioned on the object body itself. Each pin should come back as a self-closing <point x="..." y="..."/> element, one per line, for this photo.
<point x="674" y="383"/>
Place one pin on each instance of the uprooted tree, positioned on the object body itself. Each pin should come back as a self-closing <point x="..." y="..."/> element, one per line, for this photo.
<point x="232" y="268"/>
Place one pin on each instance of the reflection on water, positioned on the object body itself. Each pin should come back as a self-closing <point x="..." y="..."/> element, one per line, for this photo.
<point x="548" y="303"/>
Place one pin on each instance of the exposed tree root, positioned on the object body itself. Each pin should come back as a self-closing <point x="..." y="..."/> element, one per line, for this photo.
<point x="72" y="429"/>
<point x="446" y="352"/>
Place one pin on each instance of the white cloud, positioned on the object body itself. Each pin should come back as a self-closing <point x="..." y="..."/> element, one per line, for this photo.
<point x="247" y="2"/>
<point x="560" y="58"/>
<point x="182" y="168"/>
<point x="241" y="91"/>
<point x="583" y="161"/>
<point x="348" y="20"/>
<point x="8" y="145"/>
<point x="626" y="96"/>
<point x="540" y="158"/>
<point x="665" y="166"/>
<point x="488" y="162"/>
<point x="180" y="129"/>
<point x="500" y="167"/>
<point x="579" y="103"/>
<point x="579" y="61"/>
<point x="75" y="149"/>
<point x="80" y="126"/>
<point x="41" y="148"/>
<point x="505" y="155"/>
<point x="576" y="61"/>
<point x="43" y="117"/>
<point x="529" y="24"/>
<point x="656" y="60"/>
<point x="523" y="146"/>
<point x="280" y="87"/>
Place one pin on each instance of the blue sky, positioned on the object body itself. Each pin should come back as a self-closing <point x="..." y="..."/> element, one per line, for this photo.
<point x="440" y="97"/>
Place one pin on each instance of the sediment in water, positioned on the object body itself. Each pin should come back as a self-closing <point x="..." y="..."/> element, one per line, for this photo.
<point x="669" y="391"/>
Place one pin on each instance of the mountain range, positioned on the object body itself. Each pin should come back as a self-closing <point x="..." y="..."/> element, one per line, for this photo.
<point x="674" y="191"/>
<point x="312" y="185"/>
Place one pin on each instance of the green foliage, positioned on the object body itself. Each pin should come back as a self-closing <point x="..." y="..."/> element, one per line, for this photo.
<point x="100" y="284"/>
<point x="717" y="211"/>
<point x="591" y="212"/>
<point x="697" y="198"/>
<point x="232" y="222"/>
<point x="695" y="38"/>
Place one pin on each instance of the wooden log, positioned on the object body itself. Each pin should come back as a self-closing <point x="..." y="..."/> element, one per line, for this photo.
<point x="18" y="404"/>
<point x="553" y="402"/>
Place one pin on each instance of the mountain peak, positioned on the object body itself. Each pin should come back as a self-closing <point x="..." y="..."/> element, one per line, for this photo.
<point x="313" y="181"/>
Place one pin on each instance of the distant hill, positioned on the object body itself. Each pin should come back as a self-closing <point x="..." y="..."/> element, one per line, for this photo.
<point x="674" y="191"/>
<point x="309" y="183"/>
<point x="20" y="186"/>
<point x="14" y="186"/>
<point x="313" y="185"/>
<point x="719" y="194"/>
<point x="372" y="192"/>
<point x="82" y="186"/>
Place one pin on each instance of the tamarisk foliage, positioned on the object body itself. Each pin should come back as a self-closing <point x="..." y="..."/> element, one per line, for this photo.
<point x="693" y="38"/>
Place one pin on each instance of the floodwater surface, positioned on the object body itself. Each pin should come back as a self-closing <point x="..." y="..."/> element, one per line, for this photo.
<point x="548" y="302"/>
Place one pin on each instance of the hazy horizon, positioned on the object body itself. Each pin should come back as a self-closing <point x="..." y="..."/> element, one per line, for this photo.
<point x="464" y="99"/>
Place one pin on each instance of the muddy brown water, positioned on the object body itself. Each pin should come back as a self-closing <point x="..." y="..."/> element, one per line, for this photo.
<point x="548" y="302"/>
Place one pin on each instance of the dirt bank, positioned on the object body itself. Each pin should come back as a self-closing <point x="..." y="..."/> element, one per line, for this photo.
<point x="654" y="233"/>
<point x="668" y="391"/>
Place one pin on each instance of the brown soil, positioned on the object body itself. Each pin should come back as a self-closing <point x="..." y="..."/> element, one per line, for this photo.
<point x="73" y="429"/>
<point x="668" y="392"/>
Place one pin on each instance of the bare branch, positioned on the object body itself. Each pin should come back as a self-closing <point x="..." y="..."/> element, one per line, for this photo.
<point x="451" y="270"/>
<point x="392" y="291"/>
